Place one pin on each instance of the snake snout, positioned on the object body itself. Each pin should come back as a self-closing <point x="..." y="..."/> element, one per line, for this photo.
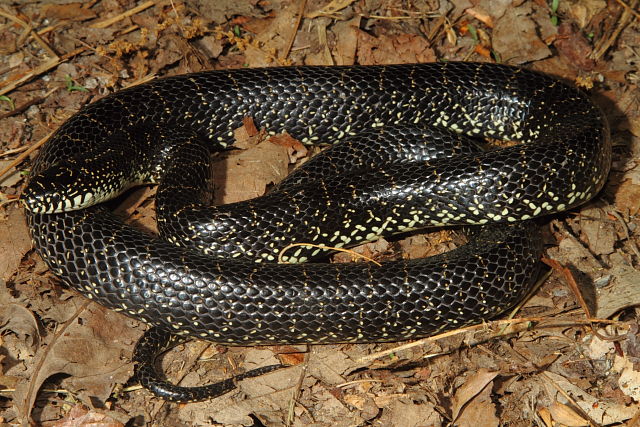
<point x="36" y="202"/>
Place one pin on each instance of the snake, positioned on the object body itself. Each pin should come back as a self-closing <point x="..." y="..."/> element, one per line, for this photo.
<point x="213" y="273"/>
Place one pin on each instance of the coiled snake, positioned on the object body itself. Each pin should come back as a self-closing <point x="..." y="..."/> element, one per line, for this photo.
<point x="163" y="131"/>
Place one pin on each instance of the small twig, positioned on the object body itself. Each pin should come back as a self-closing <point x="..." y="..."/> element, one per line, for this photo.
<point x="567" y="396"/>
<point x="459" y="331"/>
<point x="28" y="28"/>
<point x="13" y="151"/>
<point x="436" y="27"/>
<point x="322" y="41"/>
<point x="350" y="383"/>
<point x="294" y="29"/>
<point x="627" y="235"/>
<point x="108" y="22"/>
<point x="571" y="281"/>
<point x="175" y="10"/>
<point x="411" y="15"/>
<point x="42" y="68"/>
<point x="297" y="390"/>
<point x="551" y="381"/>
<point x="10" y="199"/>
<point x="19" y="109"/>
<point x="24" y="155"/>
<point x="622" y="23"/>
<point x="51" y="63"/>
<point x="629" y="8"/>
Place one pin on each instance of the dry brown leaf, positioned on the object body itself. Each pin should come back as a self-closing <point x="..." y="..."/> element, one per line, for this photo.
<point x="140" y="209"/>
<point x="6" y="381"/>
<point x="622" y="292"/>
<point x="294" y="147"/>
<point x="515" y="37"/>
<point x="470" y="389"/>
<point x="68" y="11"/>
<point x="354" y="400"/>
<point x="422" y="246"/>
<point x="627" y="197"/>
<point x="565" y="415"/>
<point x="481" y="15"/>
<point x="600" y="232"/>
<point x="12" y="177"/>
<point x="270" y="403"/>
<point x="249" y="126"/>
<point x="258" y="25"/>
<point x="292" y="359"/>
<point x="8" y="42"/>
<point x="406" y="48"/>
<point x="409" y="414"/>
<point x="367" y="251"/>
<point x="606" y="411"/>
<point x="90" y="351"/>
<point x="346" y="34"/>
<point x="546" y="416"/>
<point x="570" y="251"/>
<point x="330" y="9"/>
<point x="273" y="40"/>
<point x="276" y="382"/>
<point x="14" y="242"/>
<point x="330" y="364"/>
<point x="555" y="66"/>
<point x="481" y="407"/>
<point x="246" y="174"/>
<point x="247" y="135"/>
<point x="80" y="416"/>
<point x="629" y="379"/>
<point x="582" y="10"/>
<point x="21" y="321"/>
<point x="574" y="46"/>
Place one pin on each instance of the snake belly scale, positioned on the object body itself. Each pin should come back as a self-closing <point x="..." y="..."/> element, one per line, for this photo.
<point x="562" y="161"/>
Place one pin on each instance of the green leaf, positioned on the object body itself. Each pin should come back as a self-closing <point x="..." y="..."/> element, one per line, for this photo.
<point x="473" y="32"/>
<point x="554" y="11"/>
<point x="71" y="86"/>
<point x="5" y="98"/>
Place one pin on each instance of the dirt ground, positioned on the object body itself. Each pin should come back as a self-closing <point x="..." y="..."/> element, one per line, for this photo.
<point x="571" y="357"/>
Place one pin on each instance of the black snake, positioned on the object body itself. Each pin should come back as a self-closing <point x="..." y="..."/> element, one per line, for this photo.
<point x="339" y="200"/>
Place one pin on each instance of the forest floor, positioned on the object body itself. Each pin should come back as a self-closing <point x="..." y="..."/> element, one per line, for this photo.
<point x="568" y="357"/>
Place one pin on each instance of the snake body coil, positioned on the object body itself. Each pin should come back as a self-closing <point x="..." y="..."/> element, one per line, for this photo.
<point x="113" y="143"/>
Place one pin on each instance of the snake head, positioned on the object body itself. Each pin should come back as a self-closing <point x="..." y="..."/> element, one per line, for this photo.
<point x="66" y="186"/>
<point x="54" y="190"/>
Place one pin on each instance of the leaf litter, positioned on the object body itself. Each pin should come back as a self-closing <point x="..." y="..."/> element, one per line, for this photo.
<point x="65" y="361"/>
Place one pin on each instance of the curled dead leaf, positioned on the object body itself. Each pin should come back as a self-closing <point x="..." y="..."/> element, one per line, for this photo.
<point x="474" y="385"/>
<point x="565" y="415"/>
